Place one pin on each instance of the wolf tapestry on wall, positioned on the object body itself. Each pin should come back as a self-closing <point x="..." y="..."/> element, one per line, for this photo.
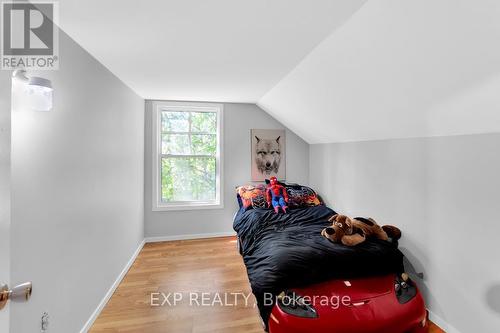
<point x="268" y="154"/>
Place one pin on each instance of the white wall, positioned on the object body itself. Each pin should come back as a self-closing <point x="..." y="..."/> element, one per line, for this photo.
<point x="238" y="120"/>
<point x="444" y="194"/>
<point x="5" y="84"/>
<point x="77" y="192"/>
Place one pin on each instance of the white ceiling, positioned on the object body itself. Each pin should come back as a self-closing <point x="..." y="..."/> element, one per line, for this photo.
<point x="330" y="70"/>
<point x="210" y="50"/>
<point x="398" y="69"/>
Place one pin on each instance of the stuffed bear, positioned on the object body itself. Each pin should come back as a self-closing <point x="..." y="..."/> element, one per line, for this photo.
<point x="352" y="232"/>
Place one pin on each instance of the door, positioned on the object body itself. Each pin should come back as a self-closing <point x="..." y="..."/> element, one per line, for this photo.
<point x="5" y="112"/>
<point x="20" y="292"/>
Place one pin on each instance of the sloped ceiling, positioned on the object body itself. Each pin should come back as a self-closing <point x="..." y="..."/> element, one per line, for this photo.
<point x="397" y="69"/>
<point x="330" y="70"/>
<point x="209" y="50"/>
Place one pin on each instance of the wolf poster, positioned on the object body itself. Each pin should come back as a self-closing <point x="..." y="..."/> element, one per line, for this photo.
<point x="268" y="154"/>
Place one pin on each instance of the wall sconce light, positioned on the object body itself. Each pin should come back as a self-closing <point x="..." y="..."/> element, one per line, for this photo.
<point x="37" y="91"/>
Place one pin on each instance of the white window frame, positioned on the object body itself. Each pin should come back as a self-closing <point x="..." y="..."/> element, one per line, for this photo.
<point x="158" y="204"/>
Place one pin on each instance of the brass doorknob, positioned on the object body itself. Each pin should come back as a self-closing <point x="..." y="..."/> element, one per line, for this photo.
<point x="21" y="292"/>
<point x="4" y="295"/>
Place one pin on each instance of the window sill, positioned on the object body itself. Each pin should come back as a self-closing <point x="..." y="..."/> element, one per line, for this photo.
<point x="194" y="206"/>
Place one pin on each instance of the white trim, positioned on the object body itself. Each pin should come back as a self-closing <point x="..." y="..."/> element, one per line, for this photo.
<point x="111" y="290"/>
<point x="218" y="203"/>
<point x="187" y="206"/>
<point x="448" y="328"/>
<point x="190" y="236"/>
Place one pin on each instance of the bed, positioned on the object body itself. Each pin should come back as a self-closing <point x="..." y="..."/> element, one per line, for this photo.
<point x="282" y="251"/>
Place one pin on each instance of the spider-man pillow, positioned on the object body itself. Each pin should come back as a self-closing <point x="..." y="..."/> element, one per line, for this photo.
<point x="252" y="196"/>
<point x="302" y="196"/>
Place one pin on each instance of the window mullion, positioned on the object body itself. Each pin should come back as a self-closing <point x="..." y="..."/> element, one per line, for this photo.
<point x="185" y="133"/>
<point x="189" y="134"/>
<point x="186" y="156"/>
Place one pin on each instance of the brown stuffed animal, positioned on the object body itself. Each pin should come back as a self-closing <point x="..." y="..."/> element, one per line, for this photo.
<point x="352" y="232"/>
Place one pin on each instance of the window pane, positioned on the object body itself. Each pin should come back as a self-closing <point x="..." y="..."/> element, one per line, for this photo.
<point x="174" y="121"/>
<point x="204" y="122"/>
<point x="204" y="144"/>
<point x="188" y="179"/>
<point x="175" y="144"/>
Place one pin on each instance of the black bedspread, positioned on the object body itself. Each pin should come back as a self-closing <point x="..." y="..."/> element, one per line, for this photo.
<point x="284" y="251"/>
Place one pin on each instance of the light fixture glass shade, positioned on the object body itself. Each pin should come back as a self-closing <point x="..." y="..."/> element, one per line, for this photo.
<point x="36" y="92"/>
<point x="39" y="93"/>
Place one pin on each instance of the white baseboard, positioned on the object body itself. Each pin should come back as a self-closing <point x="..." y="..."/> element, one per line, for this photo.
<point x="111" y="290"/>
<point x="191" y="236"/>
<point x="443" y="324"/>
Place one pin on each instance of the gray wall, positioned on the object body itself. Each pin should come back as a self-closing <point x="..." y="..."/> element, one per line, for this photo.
<point x="77" y="192"/>
<point x="5" y="83"/>
<point x="238" y="120"/>
<point x="444" y="194"/>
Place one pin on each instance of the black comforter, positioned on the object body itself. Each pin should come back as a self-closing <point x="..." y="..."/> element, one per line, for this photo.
<point x="284" y="251"/>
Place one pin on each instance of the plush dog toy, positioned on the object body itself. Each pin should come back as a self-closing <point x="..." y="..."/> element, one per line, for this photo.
<point x="352" y="232"/>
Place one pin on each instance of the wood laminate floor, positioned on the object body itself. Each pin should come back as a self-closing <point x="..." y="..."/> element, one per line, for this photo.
<point x="199" y="270"/>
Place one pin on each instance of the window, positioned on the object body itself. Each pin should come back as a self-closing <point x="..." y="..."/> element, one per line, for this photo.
<point x="187" y="163"/>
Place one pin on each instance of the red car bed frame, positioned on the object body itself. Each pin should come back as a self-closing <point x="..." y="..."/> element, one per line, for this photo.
<point x="385" y="304"/>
